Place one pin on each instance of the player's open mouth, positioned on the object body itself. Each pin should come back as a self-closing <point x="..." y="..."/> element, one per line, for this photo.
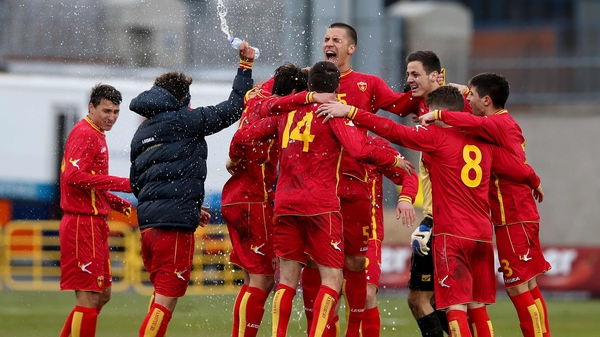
<point x="414" y="87"/>
<point x="331" y="56"/>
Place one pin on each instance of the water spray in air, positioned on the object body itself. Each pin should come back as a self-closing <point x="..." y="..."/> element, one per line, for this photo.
<point x="234" y="41"/>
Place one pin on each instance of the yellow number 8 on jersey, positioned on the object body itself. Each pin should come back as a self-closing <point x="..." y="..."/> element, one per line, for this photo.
<point x="471" y="164"/>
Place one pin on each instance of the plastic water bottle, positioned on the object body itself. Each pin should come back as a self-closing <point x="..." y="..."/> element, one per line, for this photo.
<point x="237" y="42"/>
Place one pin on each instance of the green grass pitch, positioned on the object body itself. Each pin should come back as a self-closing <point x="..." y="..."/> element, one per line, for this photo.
<point x="43" y="314"/>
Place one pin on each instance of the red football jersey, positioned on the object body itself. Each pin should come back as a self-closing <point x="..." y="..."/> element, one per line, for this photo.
<point x="510" y="202"/>
<point x="409" y="183"/>
<point x="310" y="158"/>
<point x="84" y="179"/>
<point x="460" y="167"/>
<point x="257" y="168"/>
<point x="371" y="93"/>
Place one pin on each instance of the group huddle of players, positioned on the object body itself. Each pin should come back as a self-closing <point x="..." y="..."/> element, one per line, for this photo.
<point x="305" y="197"/>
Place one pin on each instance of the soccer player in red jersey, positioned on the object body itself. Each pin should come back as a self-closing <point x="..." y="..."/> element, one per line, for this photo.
<point x="460" y="167"/>
<point x="306" y="200"/>
<point x="371" y="93"/>
<point x="247" y="205"/>
<point x="86" y="202"/>
<point x="423" y="72"/>
<point x="371" y="323"/>
<point x="514" y="212"/>
<point x="168" y="170"/>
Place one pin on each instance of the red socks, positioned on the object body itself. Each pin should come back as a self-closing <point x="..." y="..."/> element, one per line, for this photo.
<point x="236" y="311"/>
<point x="80" y="323"/>
<point x="252" y="308"/>
<point x="311" y="281"/>
<point x="542" y="309"/>
<point x="282" y="309"/>
<point x="480" y="321"/>
<point x="458" y="324"/>
<point x="156" y="322"/>
<point x="356" y="297"/>
<point x="323" y="310"/>
<point x="371" y="323"/>
<point x="529" y="316"/>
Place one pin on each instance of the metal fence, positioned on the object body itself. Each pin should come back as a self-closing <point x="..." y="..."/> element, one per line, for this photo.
<point x="30" y="259"/>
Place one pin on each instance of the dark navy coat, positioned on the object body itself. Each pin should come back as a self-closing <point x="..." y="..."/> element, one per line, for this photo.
<point x="169" y="152"/>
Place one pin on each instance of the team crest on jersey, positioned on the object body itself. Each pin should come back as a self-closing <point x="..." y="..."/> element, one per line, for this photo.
<point x="362" y="86"/>
<point x="100" y="281"/>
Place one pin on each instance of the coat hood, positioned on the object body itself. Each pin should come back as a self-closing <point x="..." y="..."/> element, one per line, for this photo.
<point x="155" y="101"/>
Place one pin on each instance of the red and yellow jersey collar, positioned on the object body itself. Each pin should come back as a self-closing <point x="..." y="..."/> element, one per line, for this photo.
<point x="346" y="72"/>
<point x="93" y="125"/>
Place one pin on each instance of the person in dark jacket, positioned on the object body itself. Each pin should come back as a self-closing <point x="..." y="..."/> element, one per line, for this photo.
<point x="168" y="170"/>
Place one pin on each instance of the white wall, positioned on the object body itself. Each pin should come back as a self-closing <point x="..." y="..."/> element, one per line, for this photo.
<point x="28" y="136"/>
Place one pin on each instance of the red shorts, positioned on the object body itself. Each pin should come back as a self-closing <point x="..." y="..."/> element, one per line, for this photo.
<point x="464" y="270"/>
<point x="250" y="227"/>
<point x="520" y="252"/>
<point x="373" y="267"/>
<point x="84" y="253"/>
<point x="168" y="256"/>
<point x="319" y="236"/>
<point x="356" y="211"/>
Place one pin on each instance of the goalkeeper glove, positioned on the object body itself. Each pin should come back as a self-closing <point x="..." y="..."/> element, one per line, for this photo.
<point x="420" y="237"/>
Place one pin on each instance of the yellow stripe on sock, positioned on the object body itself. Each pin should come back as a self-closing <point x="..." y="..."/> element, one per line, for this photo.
<point x="154" y="323"/>
<point x="535" y="320"/>
<point x="76" y="324"/>
<point x="454" y="329"/>
<point x="243" y="305"/>
<point x="543" y="318"/>
<point x="489" y="323"/>
<point x="323" y="314"/>
<point x="276" y="310"/>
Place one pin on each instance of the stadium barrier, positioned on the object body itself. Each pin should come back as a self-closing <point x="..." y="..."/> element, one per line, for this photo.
<point x="30" y="259"/>
<point x="575" y="269"/>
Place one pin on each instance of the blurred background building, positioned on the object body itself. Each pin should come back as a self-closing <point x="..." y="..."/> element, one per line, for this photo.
<point x="549" y="50"/>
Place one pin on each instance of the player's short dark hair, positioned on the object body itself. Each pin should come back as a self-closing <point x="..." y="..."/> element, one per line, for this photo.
<point x="493" y="85"/>
<point x="350" y="31"/>
<point x="107" y="92"/>
<point x="324" y="76"/>
<point x="429" y="59"/>
<point x="178" y="84"/>
<point x="446" y="97"/>
<point x="288" y="77"/>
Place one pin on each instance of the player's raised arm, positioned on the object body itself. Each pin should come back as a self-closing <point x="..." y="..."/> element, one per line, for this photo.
<point x="417" y="138"/>
<point x="263" y="129"/>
